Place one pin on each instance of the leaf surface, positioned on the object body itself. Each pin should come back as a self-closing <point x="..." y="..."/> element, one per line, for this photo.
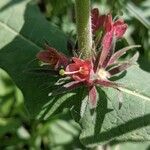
<point x="23" y="31"/>
<point x="131" y="122"/>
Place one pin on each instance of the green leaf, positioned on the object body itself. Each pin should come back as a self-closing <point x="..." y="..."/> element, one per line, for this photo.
<point x="131" y="146"/>
<point x="62" y="132"/>
<point x="23" y="31"/>
<point x="11" y="99"/>
<point x="130" y="123"/>
<point x="8" y="125"/>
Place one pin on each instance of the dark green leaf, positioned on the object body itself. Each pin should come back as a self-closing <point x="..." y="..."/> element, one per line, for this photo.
<point x="23" y="31"/>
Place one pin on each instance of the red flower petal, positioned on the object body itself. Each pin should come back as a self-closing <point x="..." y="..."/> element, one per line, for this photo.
<point x="108" y="23"/>
<point x="95" y="17"/>
<point x="78" y="60"/>
<point x="72" y="85"/>
<point x="124" y="65"/>
<point x="79" y="70"/>
<point x="93" y="97"/>
<point x="118" y="22"/>
<point x="106" y="46"/>
<point x="97" y="20"/>
<point x="107" y="83"/>
<point x="52" y="57"/>
<point x="119" y="28"/>
<point x="48" y="56"/>
<point x="120" y="53"/>
<point x="72" y="67"/>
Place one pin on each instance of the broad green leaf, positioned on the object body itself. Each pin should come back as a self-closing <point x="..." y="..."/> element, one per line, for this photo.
<point x="131" y="146"/>
<point x="131" y="122"/>
<point x="23" y="31"/>
<point x="62" y="132"/>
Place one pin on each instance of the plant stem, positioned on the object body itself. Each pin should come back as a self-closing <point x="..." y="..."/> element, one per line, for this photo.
<point x="84" y="33"/>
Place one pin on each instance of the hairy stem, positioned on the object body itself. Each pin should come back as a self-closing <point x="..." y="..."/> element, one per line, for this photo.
<point x="84" y="33"/>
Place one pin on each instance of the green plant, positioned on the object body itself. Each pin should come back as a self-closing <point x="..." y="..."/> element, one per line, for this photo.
<point x="26" y="35"/>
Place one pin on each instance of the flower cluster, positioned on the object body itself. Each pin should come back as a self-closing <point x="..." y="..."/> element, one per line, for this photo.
<point x="104" y="64"/>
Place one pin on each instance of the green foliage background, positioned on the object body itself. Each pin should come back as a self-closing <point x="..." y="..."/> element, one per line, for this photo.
<point x="17" y="130"/>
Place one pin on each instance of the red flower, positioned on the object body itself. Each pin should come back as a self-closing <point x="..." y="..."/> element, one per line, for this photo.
<point x="52" y="57"/>
<point x="112" y="31"/>
<point x="103" y="65"/>
<point x="79" y="70"/>
<point x="92" y="74"/>
<point x="105" y="21"/>
<point x="97" y="20"/>
<point x="118" y="27"/>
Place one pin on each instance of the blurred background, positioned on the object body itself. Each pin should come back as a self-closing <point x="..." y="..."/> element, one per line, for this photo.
<point x="18" y="131"/>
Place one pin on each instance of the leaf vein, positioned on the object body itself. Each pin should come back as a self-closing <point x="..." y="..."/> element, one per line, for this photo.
<point x="7" y="27"/>
<point x="134" y="93"/>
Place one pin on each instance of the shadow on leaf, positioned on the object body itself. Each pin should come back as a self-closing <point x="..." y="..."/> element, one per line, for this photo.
<point x="10" y="4"/>
<point x="129" y="126"/>
<point x="17" y="54"/>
